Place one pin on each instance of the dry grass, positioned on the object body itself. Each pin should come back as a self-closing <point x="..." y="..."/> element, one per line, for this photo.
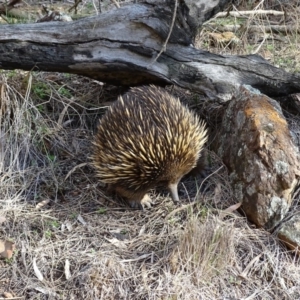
<point x="280" y="48"/>
<point x="85" y="244"/>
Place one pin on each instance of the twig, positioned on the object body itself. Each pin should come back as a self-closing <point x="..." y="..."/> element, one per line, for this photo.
<point x="116" y="3"/>
<point x="95" y="7"/>
<point x="75" y="6"/>
<point x="260" y="45"/>
<point x="256" y="28"/>
<point x="242" y="13"/>
<point x="7" y="21"/>
<point x="12" y="298"/>
<point x="164" y="47"/>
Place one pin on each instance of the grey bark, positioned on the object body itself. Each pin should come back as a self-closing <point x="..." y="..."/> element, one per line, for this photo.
<point x="119" y="47"/>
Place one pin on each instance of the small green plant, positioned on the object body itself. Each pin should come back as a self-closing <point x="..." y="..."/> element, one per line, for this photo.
<point x="41" y="90"/>
<point x="232" y="279"/>
<point x="73" y="216"/>
<point x="285" y="62"/>
<point x="65" y="92"/>
<point x="41" y="108"/>
<point x="51" y="226"/>
<point x="51" y="157"/>
<point x="203" y="212"/>
<point x="89" y="6"/>
<point x="102" y="210"/>
<point x="172" y="221"/>
<point x="270" y="47"/>
<point x="11" y="74"/>
<point x="55" y="224"/>
<point x="249" y="48"/>
<point x="123" y="231"/>
<point x="9" y="261"/>
<point x="48" y="234"/>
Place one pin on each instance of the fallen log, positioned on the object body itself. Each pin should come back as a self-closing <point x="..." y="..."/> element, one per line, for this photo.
<point x="119" y="47"/>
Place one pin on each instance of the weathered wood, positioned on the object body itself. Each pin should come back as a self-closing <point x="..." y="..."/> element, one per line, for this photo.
<point x="255" y="143"/>
<point x="119" y="46"/>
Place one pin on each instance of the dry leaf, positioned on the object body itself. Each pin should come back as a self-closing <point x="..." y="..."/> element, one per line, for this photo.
<point x="7" y="295"/>
<point x="42" y="203"/>
<point x="67" y="269"/>
<point x="232" y="208"/>
<point x="142" y="230"/>
<point x="224" y="38"/>
<point x="80" y="219"/>
<point x="37" y="272"/>
<point x="45" y="291"/>
<point x="117" y="243"/>
<point x="74" y="169"/>
<point x="69" y="225"/>
<point x="144" y="256"/>
<point x="23" y="255"/>
<point x="6" y="249"/>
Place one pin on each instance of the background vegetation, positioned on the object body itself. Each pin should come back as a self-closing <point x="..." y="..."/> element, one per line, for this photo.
<point x="74" y="241"/>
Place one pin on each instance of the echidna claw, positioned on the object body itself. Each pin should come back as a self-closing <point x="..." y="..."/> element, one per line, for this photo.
<point x="176" y="203"/>
<point x="145" y="202"/>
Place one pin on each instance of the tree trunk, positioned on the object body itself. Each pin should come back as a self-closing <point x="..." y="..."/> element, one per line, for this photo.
<point x="256" y="145"/>
<point x="120" y="46"/>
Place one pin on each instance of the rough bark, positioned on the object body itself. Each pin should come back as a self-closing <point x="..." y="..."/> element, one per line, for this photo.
<point x="255" y="143"/>
<point x="119" y="47"/>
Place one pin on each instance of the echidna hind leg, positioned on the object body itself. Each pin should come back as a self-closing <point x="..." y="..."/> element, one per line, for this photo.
<point x="141" y="204"/>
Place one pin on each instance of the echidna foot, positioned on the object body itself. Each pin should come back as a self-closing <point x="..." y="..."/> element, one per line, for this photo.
<point x="145" y="202"/>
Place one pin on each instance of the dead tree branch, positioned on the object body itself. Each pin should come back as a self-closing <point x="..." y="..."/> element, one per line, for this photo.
<point x="118" y="47"/>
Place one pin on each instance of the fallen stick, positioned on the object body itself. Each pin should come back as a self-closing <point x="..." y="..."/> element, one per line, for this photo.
<point x="243" y="13"/>
<point x="256" y="28"/>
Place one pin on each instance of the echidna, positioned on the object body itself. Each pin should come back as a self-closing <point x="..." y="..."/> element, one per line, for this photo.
<point x="147" y="138"/>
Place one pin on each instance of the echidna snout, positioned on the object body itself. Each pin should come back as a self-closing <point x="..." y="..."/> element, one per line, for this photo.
<point x="173" y="188"/>
<point x="147" y="138"/>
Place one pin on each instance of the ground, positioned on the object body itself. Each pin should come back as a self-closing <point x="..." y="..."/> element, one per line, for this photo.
<point x="73" y="240"/>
